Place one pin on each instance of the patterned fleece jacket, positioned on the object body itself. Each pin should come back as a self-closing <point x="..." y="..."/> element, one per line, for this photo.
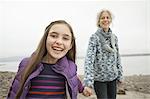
<point x="102" y="62"/>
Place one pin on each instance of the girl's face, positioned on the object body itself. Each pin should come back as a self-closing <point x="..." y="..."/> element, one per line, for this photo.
<point x="58" y="41"/>
<point x="105" y="21"/>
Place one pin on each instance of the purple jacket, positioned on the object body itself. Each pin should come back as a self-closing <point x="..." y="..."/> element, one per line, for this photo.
<point x="63" y="66"/>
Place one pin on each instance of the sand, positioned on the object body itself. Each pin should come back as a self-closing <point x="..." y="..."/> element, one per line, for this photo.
<point x="135" y="86"/>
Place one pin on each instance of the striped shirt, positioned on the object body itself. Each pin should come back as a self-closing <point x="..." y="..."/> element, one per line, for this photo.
<point x="48" y="85"/>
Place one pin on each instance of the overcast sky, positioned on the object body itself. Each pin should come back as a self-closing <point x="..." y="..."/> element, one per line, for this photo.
<point x="22" y="23"/>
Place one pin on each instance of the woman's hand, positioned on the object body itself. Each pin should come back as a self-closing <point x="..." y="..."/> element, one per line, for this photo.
<point x="87" y="91"/>
<point x="119" y="81"/>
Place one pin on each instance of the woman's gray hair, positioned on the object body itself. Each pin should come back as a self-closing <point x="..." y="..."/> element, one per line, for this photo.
<point x="100" y="14"/>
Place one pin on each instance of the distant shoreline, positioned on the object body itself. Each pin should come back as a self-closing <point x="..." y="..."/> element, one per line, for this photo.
<point x="2" y="64"/>
<point x="12" y="66"/>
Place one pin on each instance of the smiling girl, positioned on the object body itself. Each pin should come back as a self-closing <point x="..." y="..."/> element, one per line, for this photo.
<point x="50" y="68"/>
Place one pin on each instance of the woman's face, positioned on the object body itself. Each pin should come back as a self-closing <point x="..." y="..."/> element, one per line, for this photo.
<point x="105" y="20"/>
<point x="58" y="41"/>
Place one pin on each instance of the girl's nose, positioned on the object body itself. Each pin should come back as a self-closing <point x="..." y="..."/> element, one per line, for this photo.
<point x="59" y="41"/>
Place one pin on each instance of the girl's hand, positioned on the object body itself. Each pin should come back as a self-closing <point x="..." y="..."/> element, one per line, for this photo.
<point x="87" y="91"/>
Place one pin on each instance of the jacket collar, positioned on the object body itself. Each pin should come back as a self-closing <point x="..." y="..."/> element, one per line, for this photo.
<point x="61" y="64"/>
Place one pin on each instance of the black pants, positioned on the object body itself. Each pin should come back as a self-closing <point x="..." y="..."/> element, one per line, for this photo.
<point x="105" y="90"/>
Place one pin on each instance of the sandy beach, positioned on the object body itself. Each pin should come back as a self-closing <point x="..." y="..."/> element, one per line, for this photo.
<point x="136" y="86"/>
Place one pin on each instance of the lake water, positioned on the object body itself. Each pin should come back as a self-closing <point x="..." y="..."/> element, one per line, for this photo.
<point x="131" y="65"/>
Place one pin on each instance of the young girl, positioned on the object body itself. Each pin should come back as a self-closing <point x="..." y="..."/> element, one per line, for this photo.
<point x="50" y="68"/>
